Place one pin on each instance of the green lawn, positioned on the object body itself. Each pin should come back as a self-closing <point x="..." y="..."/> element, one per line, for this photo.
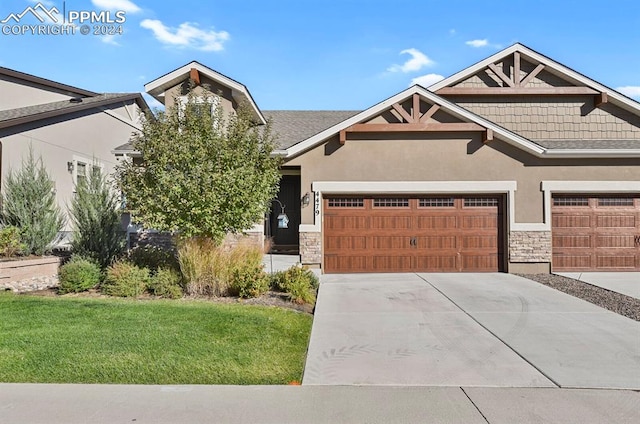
<point x="72" y="340"/>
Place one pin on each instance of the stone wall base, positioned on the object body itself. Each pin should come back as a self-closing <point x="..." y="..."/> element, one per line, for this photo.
<point x="530" y="246"/>
<point x="311" y="248"/>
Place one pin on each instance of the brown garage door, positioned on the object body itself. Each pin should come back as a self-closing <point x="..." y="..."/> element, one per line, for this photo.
<point x="409" y="234"/>
<point x="596" y="233"/>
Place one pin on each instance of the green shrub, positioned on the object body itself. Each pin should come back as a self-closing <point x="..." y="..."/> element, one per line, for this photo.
<point x="299" y="283"/>
<point x="125" y="279"/>
<point x="10" y="242"/>
<point x="249" y="281"/>
<point x="154" y="258"/>
<point x="208" y="269"/>
<point x="95" y="213"/>
<point x="78" y="275"/>
<point x="165" y="283"/>
<point x="29" y="203"/>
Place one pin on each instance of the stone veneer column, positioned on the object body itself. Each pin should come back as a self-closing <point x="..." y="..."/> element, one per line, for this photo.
<point x="530" y="246"/>
<point x="311" y="248"/>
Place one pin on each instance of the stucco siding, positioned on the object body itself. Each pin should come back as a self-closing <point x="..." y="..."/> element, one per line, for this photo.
<point x="83" y="136"/>
<point x="207" y="87"/>
<point x="17" y="94"/>
<point x="462" y="157"/>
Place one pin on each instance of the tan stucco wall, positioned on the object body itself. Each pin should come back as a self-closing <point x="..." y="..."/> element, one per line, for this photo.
<point x="15" y="94"/>
<point x="207" y="87"/>
<point x="565" y="118"/>
<point x="86" y="136"/>
<point x="461" y="157"/>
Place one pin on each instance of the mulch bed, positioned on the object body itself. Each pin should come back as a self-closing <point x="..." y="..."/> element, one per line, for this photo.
<point x="270" y="298"/>
<point x="607" y="299"/>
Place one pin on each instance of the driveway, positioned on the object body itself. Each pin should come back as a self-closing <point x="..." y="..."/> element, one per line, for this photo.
<point x="489" y="330"/>
<point x="627" y="283"/>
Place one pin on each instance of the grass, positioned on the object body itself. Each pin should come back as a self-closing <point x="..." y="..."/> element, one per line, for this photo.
<point x="71" y="340"/>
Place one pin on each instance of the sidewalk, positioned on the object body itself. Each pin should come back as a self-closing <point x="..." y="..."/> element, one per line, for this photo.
<point x="71" y="404"/>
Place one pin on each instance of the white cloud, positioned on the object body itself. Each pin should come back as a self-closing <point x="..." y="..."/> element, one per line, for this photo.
<point x="427" y="80"/>
<point x="630" y="90"/>
<point x="187" y="35"/>
<point x="109" y="39"/>
<point x="418" y="61"/>
<point x="126" y="5"/>
<point x="478" y="43"/>
<point x="452" y="31"/>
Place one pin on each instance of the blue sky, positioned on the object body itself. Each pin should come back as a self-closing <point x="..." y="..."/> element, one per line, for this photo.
<point x="343" y="54"/>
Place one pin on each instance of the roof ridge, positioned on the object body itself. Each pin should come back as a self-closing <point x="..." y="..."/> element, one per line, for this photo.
<point x="44" y="81"/>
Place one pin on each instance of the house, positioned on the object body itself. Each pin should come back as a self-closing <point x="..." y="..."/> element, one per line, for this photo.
<point x="70" y="128"/>
<point x="516" y="164"/>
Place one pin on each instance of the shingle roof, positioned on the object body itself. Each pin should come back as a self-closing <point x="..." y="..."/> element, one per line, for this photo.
<point x="589" y="144"/>
<point x="21" y="115"/>
<point x="294" y="126"/>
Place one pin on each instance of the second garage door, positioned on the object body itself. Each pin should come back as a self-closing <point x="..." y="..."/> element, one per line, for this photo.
<point x="412" y="234"/>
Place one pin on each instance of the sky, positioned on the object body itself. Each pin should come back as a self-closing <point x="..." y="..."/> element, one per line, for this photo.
<point x="316" y="55"/>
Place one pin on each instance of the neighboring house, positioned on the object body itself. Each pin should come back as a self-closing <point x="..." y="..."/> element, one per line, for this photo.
<point x="515" y="164"/>
<point x="70" y="128"/>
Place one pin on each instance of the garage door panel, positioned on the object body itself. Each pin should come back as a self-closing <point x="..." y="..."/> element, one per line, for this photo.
<point x="346" y="222"/>
<point x="572" y="241"/>
<point x="609" y="243"/>
<point x="615" y="241"/>
<point x="390" y="222"/>
<point x="437" y="223"/>
<point x="616" y="221"/>
<point x="346" y="242"/>
<point x="437" y="263"/>
<point x="385" y="263"/>
<point x="436" y="242"/>
<point x="571" y="221"/>
<point x="387" y="234"/>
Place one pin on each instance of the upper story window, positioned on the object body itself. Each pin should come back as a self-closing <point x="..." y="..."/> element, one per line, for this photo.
<point x="81" y="169"/>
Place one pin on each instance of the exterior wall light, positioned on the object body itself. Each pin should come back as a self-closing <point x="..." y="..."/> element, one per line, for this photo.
<point x="70" y="166"/>
<point x="306" y="199"/>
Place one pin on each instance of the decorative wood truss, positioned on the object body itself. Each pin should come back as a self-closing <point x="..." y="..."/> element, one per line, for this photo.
<point x="513" y="84"/>
<point x="415" y="121"/>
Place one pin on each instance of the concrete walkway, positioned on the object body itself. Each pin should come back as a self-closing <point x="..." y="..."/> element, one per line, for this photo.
<point x="627" y="283"/>
<point x="108" y="404"/>
<point x="496" y="330"/>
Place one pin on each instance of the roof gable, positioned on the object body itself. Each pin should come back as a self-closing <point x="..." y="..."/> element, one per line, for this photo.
<point x="457" y="119"/>
<point x="192" y="70"/>
<point x="519" y="70"/>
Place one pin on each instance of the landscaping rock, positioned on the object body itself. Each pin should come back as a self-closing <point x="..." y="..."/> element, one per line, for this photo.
<point x="30" y="284"/>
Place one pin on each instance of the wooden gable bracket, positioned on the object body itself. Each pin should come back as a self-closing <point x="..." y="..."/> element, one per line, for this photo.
<point x="194" y="76"/>
<point x="601" y="99"/>
<point x="487" y="136"/>
<point x="415" y="127"/>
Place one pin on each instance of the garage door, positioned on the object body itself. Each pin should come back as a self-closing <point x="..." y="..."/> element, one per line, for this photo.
<point x="411" y="234"/>
<point x="596" y="233"/>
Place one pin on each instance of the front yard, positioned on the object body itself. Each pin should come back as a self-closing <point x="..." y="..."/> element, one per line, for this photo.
<point x="73" y="340"/>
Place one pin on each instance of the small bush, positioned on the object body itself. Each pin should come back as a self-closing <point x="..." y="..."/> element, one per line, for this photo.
<point x="208" y="269"/>
<point x="10" y="242"/>
<point x="125" y="279"/>
<point x="249" y="281"/>
<point x="298" y="282"/>
<point x="78" y="275"/>
<point x="154" y="258"/>
<point x="165" y="283"/>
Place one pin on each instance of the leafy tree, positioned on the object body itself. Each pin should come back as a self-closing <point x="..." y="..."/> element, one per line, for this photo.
<point x="201" y="174"/>
<point x="95" y="213"/>
<point x="29" y="203"/>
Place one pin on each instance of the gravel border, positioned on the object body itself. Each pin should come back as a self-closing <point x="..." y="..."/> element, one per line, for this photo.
<point x="607" y="299"/>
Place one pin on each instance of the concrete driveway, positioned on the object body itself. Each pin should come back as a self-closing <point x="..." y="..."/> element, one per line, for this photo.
<point x="627" y="283"/>
<point x="490" y="330"/>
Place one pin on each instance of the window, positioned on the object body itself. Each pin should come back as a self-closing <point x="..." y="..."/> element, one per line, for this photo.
<point x="346" y="202"/>
<point x="81" y="172"/>
<point x="437" y="202"/>
<point x="570" y="201"/>
<point x="81" y="168"/>
<point x="615" y="201"/>
<point x="390" y="202"/>
<point x="480" y="202"/>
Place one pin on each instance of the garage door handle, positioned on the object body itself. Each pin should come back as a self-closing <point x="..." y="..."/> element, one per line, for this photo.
<point x="636" y="239"/>
<point x="413" y="241"/>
